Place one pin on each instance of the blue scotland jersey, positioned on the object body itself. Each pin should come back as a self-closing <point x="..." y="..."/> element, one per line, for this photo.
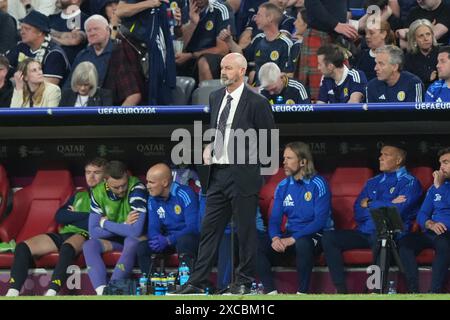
<point x="409" y="88"/>
<point x="261" y="51"/>
<point x="286" y="25"/>
<point x="213" y="19"/>
<point x="54" y="62"/>
<point x="307" y="205"/>
<point x="436" y="206"/>
<point x="294" y="55"/>
<point x="384" y="188"/>
<point x="293" y="93"/>
<point x="438" y="91"/>
<point x="332" y="92"/>
<point x="175" y="216"/>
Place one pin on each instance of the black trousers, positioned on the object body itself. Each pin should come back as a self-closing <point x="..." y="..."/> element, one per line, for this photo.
<point x="412" y="244"/>
<point x="222" y="202"/>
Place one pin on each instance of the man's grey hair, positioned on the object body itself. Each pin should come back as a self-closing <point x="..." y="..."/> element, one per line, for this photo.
<point x="268" y="74"/>
<point x="96" y="17"/>
<point x="396" y="55"/>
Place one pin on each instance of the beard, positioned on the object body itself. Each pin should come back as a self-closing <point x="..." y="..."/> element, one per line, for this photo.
<point x="224" y="80"/>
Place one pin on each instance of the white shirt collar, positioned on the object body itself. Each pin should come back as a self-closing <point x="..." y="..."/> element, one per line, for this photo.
<point x="236" y="94"/>
<point x="344" y="76"/>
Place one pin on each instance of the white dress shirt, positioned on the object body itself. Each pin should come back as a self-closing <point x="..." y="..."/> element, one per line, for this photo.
<point x="236" y="95"/>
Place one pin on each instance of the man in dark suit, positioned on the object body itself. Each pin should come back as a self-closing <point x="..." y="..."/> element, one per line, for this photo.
<point x="233" y="184"/>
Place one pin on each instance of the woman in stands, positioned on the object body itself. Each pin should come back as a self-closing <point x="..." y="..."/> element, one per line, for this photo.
<point x="74" y="217"/>
<point x="375" y="38"/>
<point x="31" y="90"/>
<point x="423" y="50"/>
<point x="84" y="90"/>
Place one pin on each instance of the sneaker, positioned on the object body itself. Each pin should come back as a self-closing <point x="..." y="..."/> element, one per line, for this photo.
<point x="273" y="292"/>
<point x="188" y="289"/>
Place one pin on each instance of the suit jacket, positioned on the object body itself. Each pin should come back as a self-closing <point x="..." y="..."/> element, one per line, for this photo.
<point x="253" y="112"/>
<point x="102" y="97"/>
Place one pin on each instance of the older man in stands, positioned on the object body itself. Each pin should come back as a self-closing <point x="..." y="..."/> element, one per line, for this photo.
<point x="117" y="70"/>
<point x="392" y="84"/>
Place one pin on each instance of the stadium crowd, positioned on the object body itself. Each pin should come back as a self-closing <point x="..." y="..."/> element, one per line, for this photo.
<point x="109" y="52"/>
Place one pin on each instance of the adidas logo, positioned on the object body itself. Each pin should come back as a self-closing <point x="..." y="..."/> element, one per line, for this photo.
<point x="161" y="213"/>
<point x="288" y="201"/>
<point x="382" y="97"/>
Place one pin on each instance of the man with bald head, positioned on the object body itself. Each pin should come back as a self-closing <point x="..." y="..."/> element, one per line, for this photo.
<point x="172" y="219"/>
<point x="234" y="176"/>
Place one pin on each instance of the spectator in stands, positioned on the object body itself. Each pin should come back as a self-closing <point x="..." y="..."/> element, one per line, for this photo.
<point x="286" y="24"/>
<point x="116" y="220"/>
<point x="394" y="186"/>
<point x="434" y="220"/>
<point x="326" y="19"/>
<point x="439" y="91"/>
<point x="203" y="48"/>
<point x="116" y="63"/>
<point x="270" y="46"/>
<point x="339" y="84"/>
<point x="278" y="88"/>
<point x="172" y="219"/>
<point x="146" y="24"/>
<point x="32" y="90"/>
<point x="74" y="216"/>
<point x="67" y="28"/>
<point x="435" y="11"/>
<point x="423" y="49"/>
<point x="20" y="8"/>
<point x="37" y="43"/>
<point x="392" y="83"/>
<point x="84" y="90"/>
<point x="8" y="29"/>
<point x="376" y="37"/>
<point x="300" y="28"/>
<point x="304" y="199"/>
<point x="6" y="88"/>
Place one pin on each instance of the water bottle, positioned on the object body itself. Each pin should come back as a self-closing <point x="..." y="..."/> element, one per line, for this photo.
<point x="159" y="288"/>
<point x="279" y="100"/>
<point x="153" y="283"/>
<point x="184" y="273"/>
<point x="143" y="280"/>
<point x="254" y="288"/>
<point x="392" y="289"/>
<point x="171" y="282"/>
<point x="260" y="288"/>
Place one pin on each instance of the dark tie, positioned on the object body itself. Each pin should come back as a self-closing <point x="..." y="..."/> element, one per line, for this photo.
<point x="222" y="125"/>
